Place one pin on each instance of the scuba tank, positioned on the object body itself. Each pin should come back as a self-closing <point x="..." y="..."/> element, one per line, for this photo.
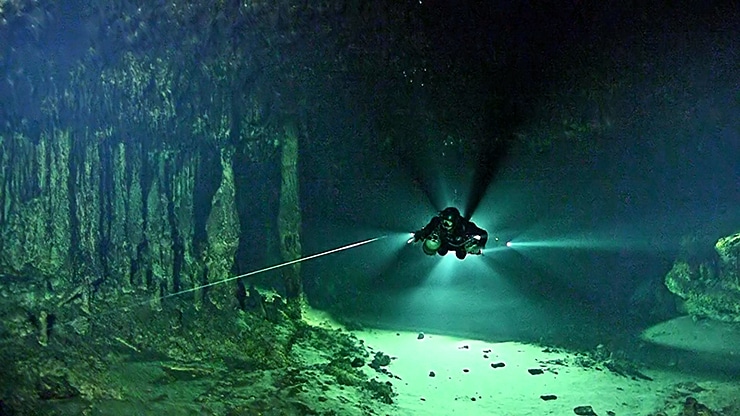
<point x="431" y="244"/>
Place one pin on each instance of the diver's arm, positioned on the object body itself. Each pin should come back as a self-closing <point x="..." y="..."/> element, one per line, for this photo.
<point x="483" y="238"/>
<point x="473" y="231"/>
<point x="427" y="230"/>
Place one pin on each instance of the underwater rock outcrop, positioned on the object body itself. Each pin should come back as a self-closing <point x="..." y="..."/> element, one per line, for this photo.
<point x="728" y="249"/>
<point x="232" y="364"/>
<point x="710" y="288"/>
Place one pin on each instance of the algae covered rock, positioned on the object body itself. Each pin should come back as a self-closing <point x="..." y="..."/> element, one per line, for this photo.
<point x="728" y="249"/>
<point x="710" y="289"/>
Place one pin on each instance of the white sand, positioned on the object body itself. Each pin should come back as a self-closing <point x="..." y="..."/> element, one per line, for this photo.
<point x="512" y="390"/>
<point x="509" y="390"/>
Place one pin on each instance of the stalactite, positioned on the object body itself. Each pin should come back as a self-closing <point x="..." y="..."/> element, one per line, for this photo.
<point x="42" y="167"/>
<point x="121" y="252"/>
<point x="289" y="215"/>
<point x="222" y="229"/>
<point x="134" y="231"/>
<point x="87" y="260"/>
<point x="4" y="191"/>
<point x="59" y="224"/>
<point x="183" y="194"/>
<point x="160" y="254"/>
<point x="87" y="212"/>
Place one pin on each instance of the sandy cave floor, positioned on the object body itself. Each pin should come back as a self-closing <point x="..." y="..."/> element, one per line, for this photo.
<point x="468" y="379"/>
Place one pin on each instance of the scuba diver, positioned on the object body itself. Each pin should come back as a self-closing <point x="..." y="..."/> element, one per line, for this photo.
<point x="450" y="231"/>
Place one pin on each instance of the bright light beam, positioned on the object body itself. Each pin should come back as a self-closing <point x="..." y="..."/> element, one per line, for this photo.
<point x="249" y="274"/>
<point x="255" y="272"/>
<point x="579" y="243"/>
<point x="387" y="255"/>
<point x="277" y="266"/>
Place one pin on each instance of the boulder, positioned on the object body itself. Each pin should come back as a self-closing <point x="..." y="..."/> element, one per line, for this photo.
<point x="711" y="288"/>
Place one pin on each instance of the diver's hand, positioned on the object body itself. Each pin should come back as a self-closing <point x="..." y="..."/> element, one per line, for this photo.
<point x="473" y="249"/>
<point x="472" y="246"/>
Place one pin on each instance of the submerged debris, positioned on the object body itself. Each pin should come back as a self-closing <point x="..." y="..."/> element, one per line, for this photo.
<point x="380" y="360"/>
<point x="599" y="359"/>
<point x="584" y="411"/>
<point x="235" y="362"/>
<point x="692" y="407"/>
<point x="548" y="397"/>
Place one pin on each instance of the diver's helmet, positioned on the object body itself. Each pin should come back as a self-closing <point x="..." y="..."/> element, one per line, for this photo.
<point x="450" y="216"/>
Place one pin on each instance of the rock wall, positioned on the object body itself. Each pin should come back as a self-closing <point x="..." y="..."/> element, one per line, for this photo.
<point x="710" y="289"/>
<point x="117" y="162"/>
<point x="84" y="215"/>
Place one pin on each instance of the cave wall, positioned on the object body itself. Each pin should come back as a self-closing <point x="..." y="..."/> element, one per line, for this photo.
<point x="85" y="213"/>
<point x="120" y="183"/>
<point x="125" y="136"/>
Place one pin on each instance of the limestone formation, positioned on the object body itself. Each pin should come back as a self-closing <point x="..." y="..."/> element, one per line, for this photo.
<point x="711" y="288"/>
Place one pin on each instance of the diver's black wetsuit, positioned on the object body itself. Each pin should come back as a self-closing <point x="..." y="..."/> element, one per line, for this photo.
<point x="463" y="236"/>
